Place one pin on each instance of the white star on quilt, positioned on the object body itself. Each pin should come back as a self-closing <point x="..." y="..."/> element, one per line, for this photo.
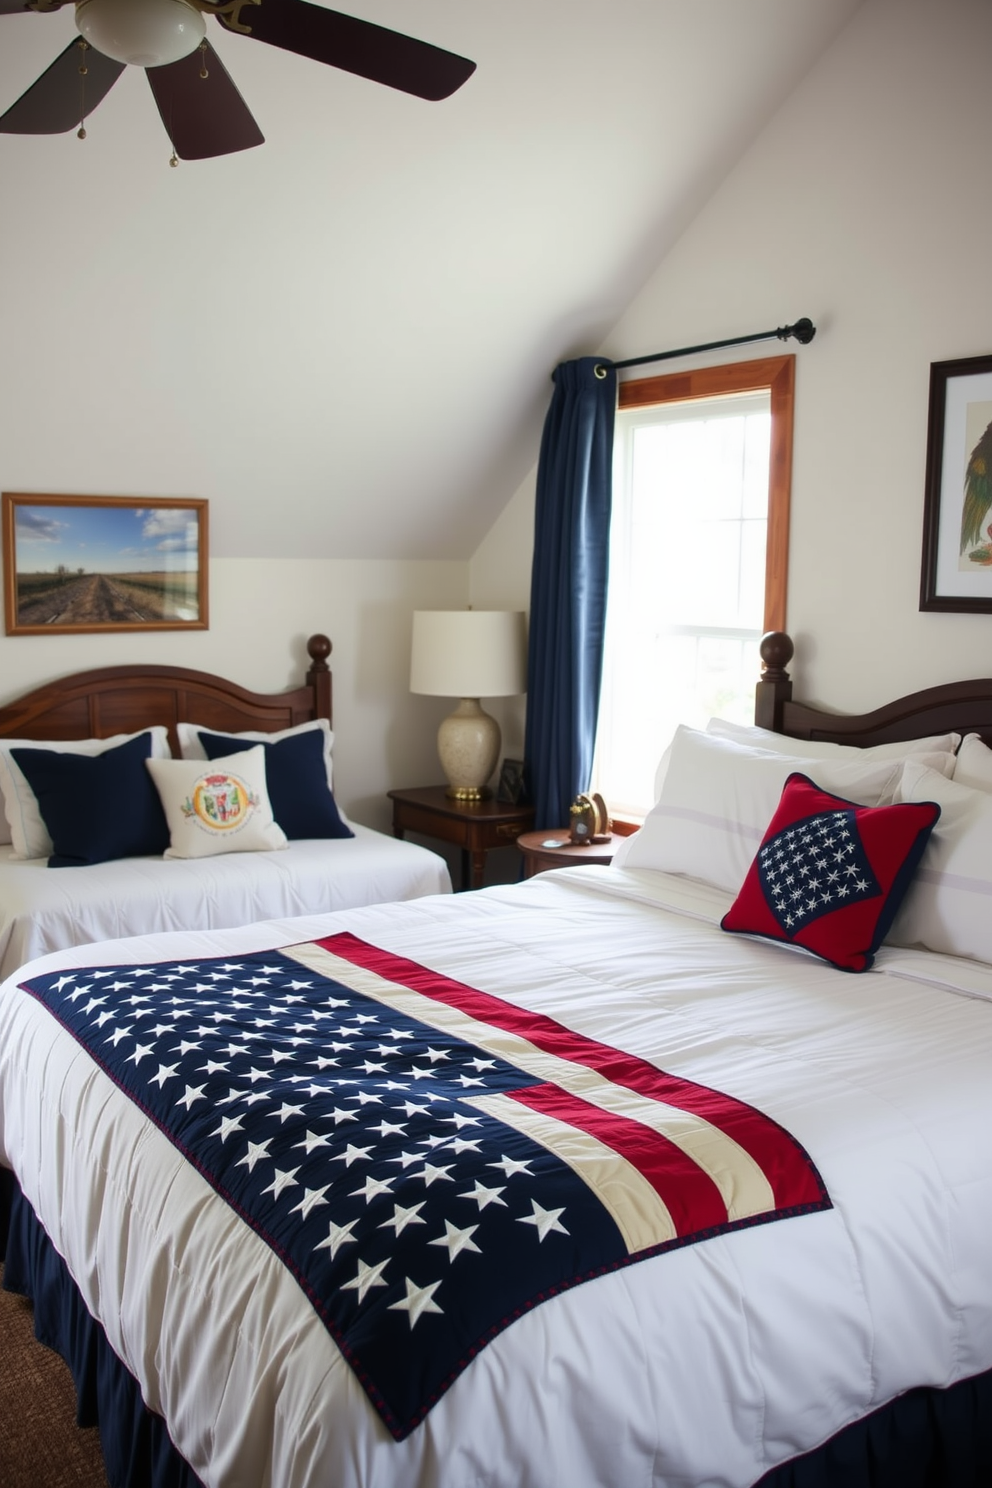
<point x="418" y="1300"/>
<point x="338" y="1235"/>
<point x="456" y="1240"/>
<point x="403" y="1217"/>
<point x="368" y="1276"/>
<point x="544" y="1220"/>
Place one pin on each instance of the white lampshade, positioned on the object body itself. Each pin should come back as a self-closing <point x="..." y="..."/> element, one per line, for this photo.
<point x="144" y="33"/>
<point x="468" y="654"/>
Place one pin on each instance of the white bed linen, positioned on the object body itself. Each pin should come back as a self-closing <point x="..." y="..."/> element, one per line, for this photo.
<point x="43" y="909"/>
<point x="706" y="1365"/>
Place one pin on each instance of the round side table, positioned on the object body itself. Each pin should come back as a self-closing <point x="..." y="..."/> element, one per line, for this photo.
<point x="555" y="849"/>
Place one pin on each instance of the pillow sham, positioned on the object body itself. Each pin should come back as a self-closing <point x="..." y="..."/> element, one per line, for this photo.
<point x="811" y="749"/>
<point x="973" y="764"/>
<point x="296" y="778"/>
<point x="830" y="875"/>
<point x="29" y="836"/>
<point x="191" y="736"/>
<point x="96" y="807"/>
<point x="762" y="738"/>
<point x="949" y="907"/>
<point x="217" y="807"/>
<point x="718" y="798"/>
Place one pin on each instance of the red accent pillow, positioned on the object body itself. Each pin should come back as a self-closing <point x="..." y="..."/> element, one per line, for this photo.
<point x="830" y="875"/>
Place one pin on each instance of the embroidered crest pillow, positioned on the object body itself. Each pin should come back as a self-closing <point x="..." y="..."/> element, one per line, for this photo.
<point x="830" y="875"/>
<point x="216" y="806"/>
<point x="302" y="801"/>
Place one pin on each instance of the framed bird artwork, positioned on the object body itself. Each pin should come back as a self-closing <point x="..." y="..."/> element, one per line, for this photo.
<point x="957" y="514"/>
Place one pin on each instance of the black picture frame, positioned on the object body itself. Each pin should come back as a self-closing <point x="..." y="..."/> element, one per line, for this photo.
<point x="511" y="789"/>
<point x="956" y="572"/>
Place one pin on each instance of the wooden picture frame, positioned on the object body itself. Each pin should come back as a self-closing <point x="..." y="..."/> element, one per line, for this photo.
<point x="957" y="511"/>
<point x="74" y="564"/>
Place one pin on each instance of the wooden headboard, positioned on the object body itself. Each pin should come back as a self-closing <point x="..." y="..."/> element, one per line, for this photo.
<point x="124" y="699"/>
<point x="964" y="707"/>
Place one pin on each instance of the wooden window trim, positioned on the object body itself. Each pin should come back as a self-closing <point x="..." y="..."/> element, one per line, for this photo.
<point x="776" y="376"/>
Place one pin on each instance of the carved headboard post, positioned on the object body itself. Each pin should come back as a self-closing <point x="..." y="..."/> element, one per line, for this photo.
<point x="775" y="687"/>
<point x="319" y="675"/>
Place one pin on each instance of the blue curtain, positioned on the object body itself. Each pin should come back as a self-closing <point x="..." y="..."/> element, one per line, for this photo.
<point x="568" y="587"/>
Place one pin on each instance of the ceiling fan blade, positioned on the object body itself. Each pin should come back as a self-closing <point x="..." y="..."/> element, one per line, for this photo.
<point x="355" y="46"/>
<point x="61" y="98"/>
<point x="202" y="116"/>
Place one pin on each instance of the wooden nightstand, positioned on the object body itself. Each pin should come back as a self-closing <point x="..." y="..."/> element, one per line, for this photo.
<point x="474" y="826"/>
<point x="539" y="856"/>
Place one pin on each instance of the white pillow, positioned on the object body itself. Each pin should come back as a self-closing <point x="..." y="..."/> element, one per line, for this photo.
<point x="815" y="749"/>
<point x="28" y="833"/>
<point x="948" y="906"/>
<point x="760" y="738"/>
<point x="719" y="796"/>
<point x="191" y="749"/>
<point x="661" y="771"/>
<point x="973" y="764"/>
<point x="216" y="807"/>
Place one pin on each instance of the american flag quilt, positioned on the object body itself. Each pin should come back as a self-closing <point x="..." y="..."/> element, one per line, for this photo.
<point x="429" y="1160"/>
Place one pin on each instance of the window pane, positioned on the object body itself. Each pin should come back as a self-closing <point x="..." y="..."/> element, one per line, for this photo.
<point x="755" y="482"/>
<point x="687" y="577"/>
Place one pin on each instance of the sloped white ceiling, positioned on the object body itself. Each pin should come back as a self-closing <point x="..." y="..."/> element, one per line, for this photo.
<point x="344" y="337"/>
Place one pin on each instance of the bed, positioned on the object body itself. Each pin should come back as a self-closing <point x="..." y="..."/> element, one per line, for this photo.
<point x="42" y="910"/>
<point x="786" y="1281"/>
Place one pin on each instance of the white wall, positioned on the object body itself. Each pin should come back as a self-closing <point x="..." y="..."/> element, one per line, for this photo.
<point x="865" y="205"/>
<point x="499" y="579"/>
<point x="262" y="612"/>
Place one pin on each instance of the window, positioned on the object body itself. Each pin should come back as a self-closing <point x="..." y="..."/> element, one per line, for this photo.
<point x="698" y="554"/>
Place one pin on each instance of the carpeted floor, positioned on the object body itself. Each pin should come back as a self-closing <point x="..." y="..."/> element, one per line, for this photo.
<point x="40" y="1444"/>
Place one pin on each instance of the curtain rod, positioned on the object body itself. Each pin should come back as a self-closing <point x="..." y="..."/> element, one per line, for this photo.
<point x="803" y="330"/>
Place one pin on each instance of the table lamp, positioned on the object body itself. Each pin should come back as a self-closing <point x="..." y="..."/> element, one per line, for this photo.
<point x="468" y="654"/>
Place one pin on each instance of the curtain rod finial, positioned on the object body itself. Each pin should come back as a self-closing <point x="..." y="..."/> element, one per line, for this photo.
<point x="804" y="330"/>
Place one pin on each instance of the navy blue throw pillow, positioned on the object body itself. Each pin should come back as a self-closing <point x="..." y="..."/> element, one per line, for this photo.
<point x="97" y="806"/>
<point x="296" y="777"/>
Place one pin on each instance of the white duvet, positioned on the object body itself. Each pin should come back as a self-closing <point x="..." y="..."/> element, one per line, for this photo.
<point x="44" y="909"/>
<point x="706" y="1365"/>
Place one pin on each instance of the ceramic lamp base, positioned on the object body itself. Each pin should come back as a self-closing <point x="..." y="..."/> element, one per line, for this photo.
<point x="468" y="746"/>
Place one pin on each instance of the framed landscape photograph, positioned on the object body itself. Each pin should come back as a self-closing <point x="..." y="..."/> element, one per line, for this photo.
<point x="957" y="513"/>
<point x="92" y="563"/>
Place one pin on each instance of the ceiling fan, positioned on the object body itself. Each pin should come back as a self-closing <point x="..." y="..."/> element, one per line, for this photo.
<point x="202" y="110"/>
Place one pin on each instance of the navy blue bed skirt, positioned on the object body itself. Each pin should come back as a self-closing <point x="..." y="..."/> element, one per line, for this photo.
<point x="924" y="1439"/>
<point x="137" y="1450"/>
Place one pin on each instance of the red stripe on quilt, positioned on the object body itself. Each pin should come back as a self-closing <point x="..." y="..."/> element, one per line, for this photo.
<point x="690" y="1195"/>
<point x="779" y="1156"/>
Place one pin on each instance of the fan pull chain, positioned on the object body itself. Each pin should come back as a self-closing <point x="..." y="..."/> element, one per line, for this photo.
<point x="203" y="60"/>
<point x="174" y="158"/>
<point x="84" y="47"/>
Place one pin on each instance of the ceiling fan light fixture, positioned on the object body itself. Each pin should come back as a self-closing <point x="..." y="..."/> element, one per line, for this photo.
<point x="143" y="33"/>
